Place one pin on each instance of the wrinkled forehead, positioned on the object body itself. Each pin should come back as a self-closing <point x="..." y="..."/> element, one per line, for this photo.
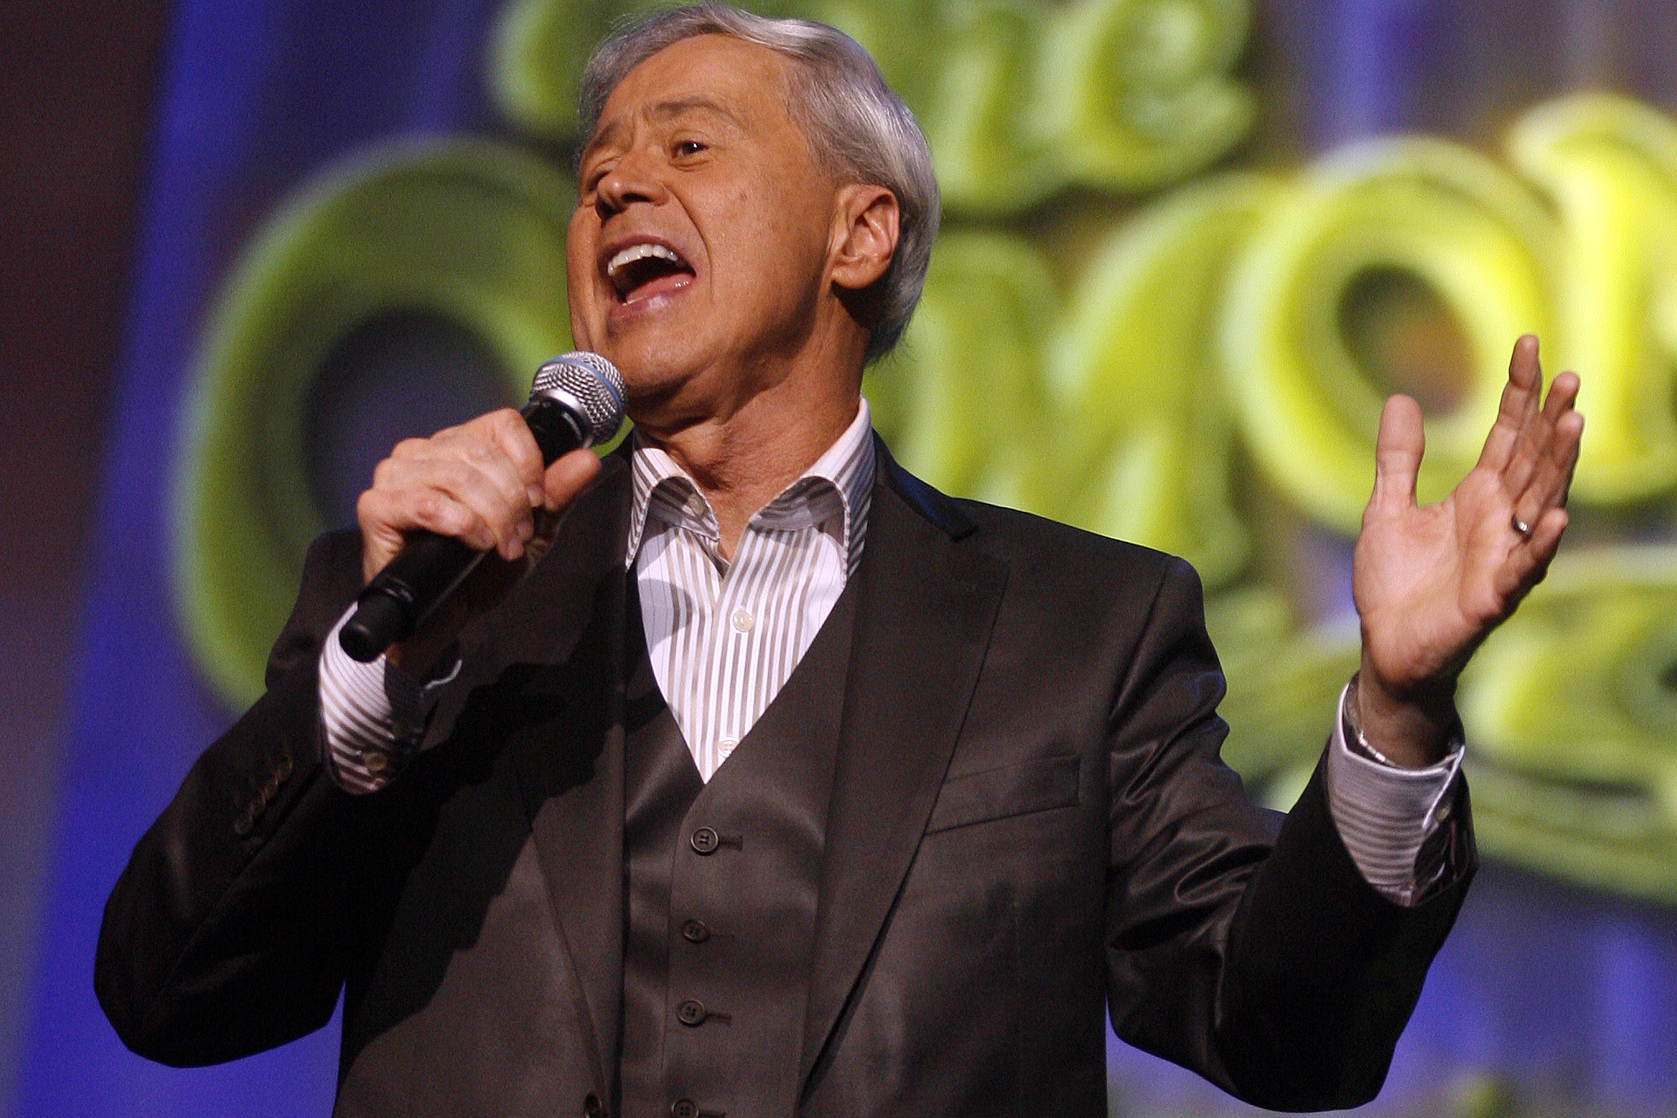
<point x="727" y="78"/>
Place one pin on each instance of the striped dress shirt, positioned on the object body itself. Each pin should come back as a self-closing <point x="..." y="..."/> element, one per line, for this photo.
<point x="724" y="635"/>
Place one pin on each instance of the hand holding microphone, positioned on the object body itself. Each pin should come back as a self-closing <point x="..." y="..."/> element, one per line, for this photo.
<point x="437" y="506"/>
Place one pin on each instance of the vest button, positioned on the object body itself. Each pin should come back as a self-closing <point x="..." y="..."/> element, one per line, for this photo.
<point x="695" y="931"/>
<point x="690" y="1012"/>
<point x="591" y="1107"/>
<point x="684" y="1108"/>
<point x="704" y="840"/>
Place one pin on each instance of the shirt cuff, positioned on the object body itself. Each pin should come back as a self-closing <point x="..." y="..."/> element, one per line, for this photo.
<point x="1386" y="814"/>
<point x="372" y="715"/>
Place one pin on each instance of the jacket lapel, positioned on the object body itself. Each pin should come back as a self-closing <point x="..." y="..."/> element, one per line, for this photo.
<point x="551" y="657"/>
<point x="924" y="619"/>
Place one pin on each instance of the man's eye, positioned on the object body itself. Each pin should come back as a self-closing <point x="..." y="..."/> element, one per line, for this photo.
<point x="689" y="147"/>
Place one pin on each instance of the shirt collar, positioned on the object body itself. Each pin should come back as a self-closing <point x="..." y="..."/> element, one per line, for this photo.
<point x="839" y="482"/>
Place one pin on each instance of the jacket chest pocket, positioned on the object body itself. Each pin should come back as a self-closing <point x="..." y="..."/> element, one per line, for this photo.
<point x="1040" y="784"/>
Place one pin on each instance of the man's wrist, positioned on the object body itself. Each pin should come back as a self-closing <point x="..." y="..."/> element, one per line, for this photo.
<point x="372" y="714"/>
<point x="1392" y="818"/>
<point x="1412" y="731"/>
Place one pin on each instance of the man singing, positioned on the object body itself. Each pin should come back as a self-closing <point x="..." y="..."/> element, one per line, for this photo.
<point x="754" y="776"/>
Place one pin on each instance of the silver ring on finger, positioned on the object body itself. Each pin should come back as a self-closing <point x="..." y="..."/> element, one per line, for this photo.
<point x="1521" y="528"/>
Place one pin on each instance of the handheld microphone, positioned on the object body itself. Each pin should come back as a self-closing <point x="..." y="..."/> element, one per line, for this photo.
<point x="575" y="401"/>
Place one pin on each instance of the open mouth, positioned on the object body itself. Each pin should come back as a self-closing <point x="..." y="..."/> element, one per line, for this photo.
<point x="647" y="269"/>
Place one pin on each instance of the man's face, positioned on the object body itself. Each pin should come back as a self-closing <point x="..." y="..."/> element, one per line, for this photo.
<point x="700" y="242"/>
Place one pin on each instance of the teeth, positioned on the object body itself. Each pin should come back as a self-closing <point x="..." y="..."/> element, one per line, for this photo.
<point x="639" y="252"/>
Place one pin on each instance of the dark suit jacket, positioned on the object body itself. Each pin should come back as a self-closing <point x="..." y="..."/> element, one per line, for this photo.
<point x="1029" y="825"/>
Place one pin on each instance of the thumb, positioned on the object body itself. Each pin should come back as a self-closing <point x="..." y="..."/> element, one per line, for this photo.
<point x="1397" y="453"/>
<point x="567" y="476"/>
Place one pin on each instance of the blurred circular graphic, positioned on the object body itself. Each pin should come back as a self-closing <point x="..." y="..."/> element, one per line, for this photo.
<point x="402" y="290"/>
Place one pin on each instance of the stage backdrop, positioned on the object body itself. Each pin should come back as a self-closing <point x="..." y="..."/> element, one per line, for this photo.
<point x="1189" y="246"/>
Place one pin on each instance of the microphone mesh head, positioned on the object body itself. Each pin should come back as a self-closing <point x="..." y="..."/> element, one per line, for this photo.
<point x="589" y="384"/>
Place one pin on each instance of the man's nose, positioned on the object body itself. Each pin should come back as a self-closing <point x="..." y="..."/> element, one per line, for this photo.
<point x="631" y="179"/>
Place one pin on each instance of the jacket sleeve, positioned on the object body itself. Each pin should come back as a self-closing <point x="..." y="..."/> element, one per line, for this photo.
<point x="228" y="931"/>
<point x="1242" y="944"/>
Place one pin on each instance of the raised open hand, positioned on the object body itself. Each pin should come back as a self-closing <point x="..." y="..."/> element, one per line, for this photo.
<point x="1430" y="583"/>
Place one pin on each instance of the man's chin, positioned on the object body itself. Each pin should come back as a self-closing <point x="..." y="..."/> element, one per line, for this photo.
<point x="653" y="373"/>
<point x="652" y="351"/>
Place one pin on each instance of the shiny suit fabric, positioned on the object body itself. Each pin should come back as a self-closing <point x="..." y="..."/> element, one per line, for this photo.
<point x="1028" y="828"/>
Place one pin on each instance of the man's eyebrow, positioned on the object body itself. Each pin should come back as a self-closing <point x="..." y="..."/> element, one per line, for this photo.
<point x="663" y="110"/>
<point x="699" y="103"/>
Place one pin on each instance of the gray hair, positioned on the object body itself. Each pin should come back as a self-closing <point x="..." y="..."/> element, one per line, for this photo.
<point x="856" y="126"/>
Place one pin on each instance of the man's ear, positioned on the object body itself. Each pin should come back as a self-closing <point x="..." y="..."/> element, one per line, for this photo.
<point x="865" y="219"/>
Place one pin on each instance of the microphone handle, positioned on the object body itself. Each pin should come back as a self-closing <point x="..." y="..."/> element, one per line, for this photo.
<point x="430" y="566"/>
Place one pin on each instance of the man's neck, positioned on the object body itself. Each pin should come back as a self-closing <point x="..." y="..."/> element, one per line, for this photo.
<point x="745" y="458"/>
<point x="746" y="431"/>
<point x="739" y="470"/>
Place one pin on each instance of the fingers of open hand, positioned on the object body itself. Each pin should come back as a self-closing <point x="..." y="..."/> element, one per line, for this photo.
<point x="1541" y="473"/>
<point x="477" y="482"/>
<point x="1535" y="479"/>
<point x="1528" y="561"/>
<point x="1518" y="405"/>
<point x="1532" y="451"/>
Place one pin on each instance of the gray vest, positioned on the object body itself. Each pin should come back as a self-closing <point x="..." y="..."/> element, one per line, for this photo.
<point x="722" y="890"/>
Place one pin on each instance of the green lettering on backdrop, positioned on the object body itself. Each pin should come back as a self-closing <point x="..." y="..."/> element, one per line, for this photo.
<point x="1574" y="719"/>
<point x="1610" y="168"/>
<point x="1433" y="210"/>
<point x="1187" y="379"/>
<point x="1147" y="443"/>
<point x="987" y="299"/>
<point x="1017" y="99"/>
<point x="471" y="232"/>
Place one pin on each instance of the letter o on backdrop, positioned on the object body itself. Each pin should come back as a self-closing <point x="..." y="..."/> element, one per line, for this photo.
<point x="468" y="234"/>
<point x="1461" y="225"/>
